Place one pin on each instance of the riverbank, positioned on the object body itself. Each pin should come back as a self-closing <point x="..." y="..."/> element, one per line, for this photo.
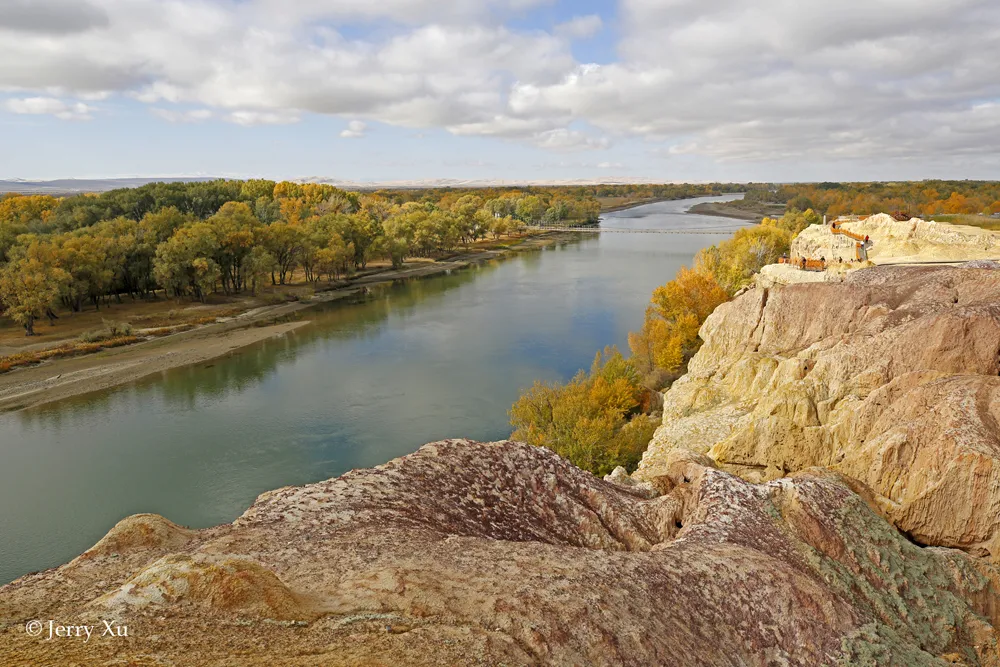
<point x="739" y="210"/>
<point x="59" y="379"/>
<point x="632" y="204"/>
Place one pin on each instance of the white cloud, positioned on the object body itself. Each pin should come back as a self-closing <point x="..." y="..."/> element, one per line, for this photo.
<point x="50" y="106"/>
<point x="192" y="116"/>
<point x="569" y="140"/>
<point x="355" y="130"/>
<point x="580" y="27"/>
<point x="252" y="118"/>
<point x="728" y="80"/>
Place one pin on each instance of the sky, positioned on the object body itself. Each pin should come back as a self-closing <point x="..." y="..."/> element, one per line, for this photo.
<point x="383" y="90"/>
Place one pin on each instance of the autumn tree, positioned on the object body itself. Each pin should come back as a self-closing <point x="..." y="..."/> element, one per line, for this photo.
<point x="669" y="334"/>
<point x="285" y="243"/>
<point x="30" y="289"/>
<point x="595" y="420"/>
<point x="237" y="231"/>
<point x="259" y="265"/>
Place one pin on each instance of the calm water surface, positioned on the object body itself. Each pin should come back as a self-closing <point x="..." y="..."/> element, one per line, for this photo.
<point x="363" y="383"/>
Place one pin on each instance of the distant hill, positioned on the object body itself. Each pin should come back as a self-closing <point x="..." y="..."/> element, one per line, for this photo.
<point x="68" y="186"/>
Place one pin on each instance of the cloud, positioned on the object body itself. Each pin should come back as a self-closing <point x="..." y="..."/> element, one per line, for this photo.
<point x="355" y="130"/>
<point x="580" y="27"/>
<point x="50" y="106"/>
<point x="725" y="80"/>
<point x="252" y="118"/>
<point x="403" y="11"/>
<point x="569" y="140"/>
<point x="51" y="16"/>
<point x="192" y="116"/>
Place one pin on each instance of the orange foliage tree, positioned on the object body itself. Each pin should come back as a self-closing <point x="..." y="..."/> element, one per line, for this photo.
<point x="669" y="334"/>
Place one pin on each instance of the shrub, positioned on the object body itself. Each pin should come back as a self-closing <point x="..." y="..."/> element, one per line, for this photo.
<point x="595" y="421"/>
<point x="111" y="330"/>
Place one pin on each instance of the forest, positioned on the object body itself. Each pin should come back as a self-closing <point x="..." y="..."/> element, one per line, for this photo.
<point x="190" y="240"/>
<point x="919" y="199"/>
<point x="193" y="240"/>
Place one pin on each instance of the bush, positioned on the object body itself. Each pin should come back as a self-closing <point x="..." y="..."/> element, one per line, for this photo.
<point x="111" y="330"/>
<point x="595" y="421"/>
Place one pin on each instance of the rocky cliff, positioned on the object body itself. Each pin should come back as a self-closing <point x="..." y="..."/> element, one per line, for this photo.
<point x="467" y="553"/>
<point x="823" y="491"/>
<point x="890" y="377"/>
<point x="895" y="241"/>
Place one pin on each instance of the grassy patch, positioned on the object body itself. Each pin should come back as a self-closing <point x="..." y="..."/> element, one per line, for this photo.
<point x="20" y="359"/>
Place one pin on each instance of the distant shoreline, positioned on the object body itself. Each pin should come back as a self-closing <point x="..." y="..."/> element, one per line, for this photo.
<point x="657" y="200"/>
<point x="725" y="210"/>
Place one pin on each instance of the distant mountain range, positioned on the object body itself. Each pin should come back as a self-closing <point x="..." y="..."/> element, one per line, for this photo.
<point x="67" y="186"/>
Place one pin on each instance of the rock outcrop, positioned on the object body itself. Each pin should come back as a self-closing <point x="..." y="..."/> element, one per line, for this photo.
<point x="895" y="241"/>
<point x="890" y="378"/>
<point x="483" y="554"/>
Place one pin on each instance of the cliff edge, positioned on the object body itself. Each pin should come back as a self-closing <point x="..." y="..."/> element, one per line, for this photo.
<point x="890" y="378"/>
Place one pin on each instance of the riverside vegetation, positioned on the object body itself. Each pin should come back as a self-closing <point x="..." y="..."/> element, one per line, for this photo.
<point x="605" y="418"/>
<point x="223" y="238"/>
<point x="600" y="425"/>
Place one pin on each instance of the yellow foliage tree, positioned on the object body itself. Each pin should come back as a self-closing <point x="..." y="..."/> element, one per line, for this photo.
<point x="669" y="334"/>
<point x="594" y="420"/>
<point x="29" y="289"/>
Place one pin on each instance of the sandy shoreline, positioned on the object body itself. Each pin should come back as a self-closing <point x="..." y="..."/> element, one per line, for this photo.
<point x="60" y="379"/>
<point x="722" y="210"/>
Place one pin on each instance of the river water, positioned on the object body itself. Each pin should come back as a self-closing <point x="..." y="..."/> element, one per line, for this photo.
<point x="416" y="362"/>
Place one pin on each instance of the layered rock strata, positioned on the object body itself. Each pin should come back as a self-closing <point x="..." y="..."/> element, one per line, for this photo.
<point x="890" y="378"/>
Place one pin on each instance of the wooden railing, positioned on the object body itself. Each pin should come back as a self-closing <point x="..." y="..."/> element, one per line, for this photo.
<point x="804" y="264"/>
<point x="840" y="230"/>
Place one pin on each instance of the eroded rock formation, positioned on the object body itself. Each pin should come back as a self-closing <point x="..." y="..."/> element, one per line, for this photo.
<point x="466" y="553"/>
<point x="890" y="378"/>
<point x="900" y="241"/>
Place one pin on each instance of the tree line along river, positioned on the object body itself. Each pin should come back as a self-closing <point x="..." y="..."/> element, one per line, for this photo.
<point x="366" y="382"/>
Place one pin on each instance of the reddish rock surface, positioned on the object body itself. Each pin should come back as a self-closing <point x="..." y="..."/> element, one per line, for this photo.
<point x="467" y="553"/>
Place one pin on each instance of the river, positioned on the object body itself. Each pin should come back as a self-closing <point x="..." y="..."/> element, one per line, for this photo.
<point x="364" y="383"/>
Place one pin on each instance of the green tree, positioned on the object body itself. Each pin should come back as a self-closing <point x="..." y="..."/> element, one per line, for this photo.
<point x="530" y="209"/>
<point x="177" y="266"/>
<point x="286" y="244"/>
<point x="259" y="265"/>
